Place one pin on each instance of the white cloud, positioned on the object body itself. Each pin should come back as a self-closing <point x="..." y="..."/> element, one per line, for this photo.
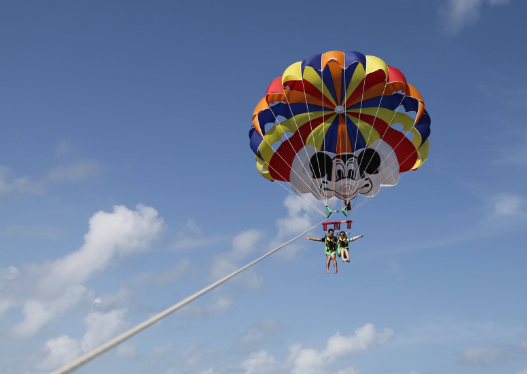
<point x="100" y="327"/>
<point x="310" y="361"/>
<point x="508" y="205"/>
<point x="260" y="363"/>
<point x="459" y="13"/>
<point x="60" y="351"/>
<point x="39" y="313"/>
<point x="482" y="355"/>
<point x="58" y="286"/>
<point x="261" y="332"/>
<point x="524" y="371"/>
<point x="111" y="235"/>
<point x="299" y="218"/>
<point x="10" y="184"/>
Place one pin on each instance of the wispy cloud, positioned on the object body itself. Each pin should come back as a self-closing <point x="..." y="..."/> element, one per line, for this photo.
<point x="460" y="13"/>
<point x="508" y="205"/>
<point x="69" y="168"/>
<point x="487" y="355"/>
<point x="482" y="355"/>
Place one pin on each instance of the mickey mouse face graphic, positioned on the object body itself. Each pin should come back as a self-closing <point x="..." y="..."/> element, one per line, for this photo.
<point x="345" y="175"/>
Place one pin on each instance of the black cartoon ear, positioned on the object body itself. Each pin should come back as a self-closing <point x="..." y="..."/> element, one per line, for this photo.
<point x="369" y="161"/>
<point x="321" y="165"/>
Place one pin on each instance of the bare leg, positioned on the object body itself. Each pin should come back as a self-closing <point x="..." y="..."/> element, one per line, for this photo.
<point x="345" y="254"/>
<point x="334" y="263"/>
<point x="327" y="264"/>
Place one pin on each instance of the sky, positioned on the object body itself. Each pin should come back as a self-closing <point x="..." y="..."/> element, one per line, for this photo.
<point x="127" y="183"/>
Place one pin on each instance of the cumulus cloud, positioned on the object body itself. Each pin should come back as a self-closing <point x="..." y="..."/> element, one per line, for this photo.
<point x="260" y="363"/>
<point x="482" y="355"/>
<point x="508" y="205"/>
<point x="100" y="327"/>
<point x="57" y="286"/>
<point x="311" y="361"/>
<point x="459" y="13"/>
<point x="299" y="218"/>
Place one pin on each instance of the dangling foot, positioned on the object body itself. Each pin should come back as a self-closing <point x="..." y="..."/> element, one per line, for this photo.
<point x="327" y="271"/>
<point x="335" y="271"/>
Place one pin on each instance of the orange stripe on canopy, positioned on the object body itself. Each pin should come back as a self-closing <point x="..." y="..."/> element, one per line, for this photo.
<point x="262" y="105"/>
<point x="336" y="75"/>
<point x="333" y="55"/>
<point x="343" y="139"/>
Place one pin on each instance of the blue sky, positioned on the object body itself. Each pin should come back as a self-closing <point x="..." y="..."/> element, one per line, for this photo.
<point x="127" y="183"/>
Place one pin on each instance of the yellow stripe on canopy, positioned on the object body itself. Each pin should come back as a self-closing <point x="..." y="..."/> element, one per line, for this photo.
<point x="293" y="73"/>
<point x="312" y="77"/>
<point x="275" y="133"/>
<point x="375" y="63"/>
<point x="260" y="165"/>
<point x="367" y="131"/>
<point x="356" y="79"/>
<point x="317" y="136"/>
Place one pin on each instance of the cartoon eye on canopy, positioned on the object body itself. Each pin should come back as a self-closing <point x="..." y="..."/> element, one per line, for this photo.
<point x="339" y="125"/>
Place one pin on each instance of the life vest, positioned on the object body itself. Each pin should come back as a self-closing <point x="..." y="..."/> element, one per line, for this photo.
<point x="344" y="243"/>
<point x="331" y="243"/>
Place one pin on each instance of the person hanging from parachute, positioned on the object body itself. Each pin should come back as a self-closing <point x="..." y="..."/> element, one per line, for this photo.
<point x="343" y="245"/>
<point x="330" y="241"/>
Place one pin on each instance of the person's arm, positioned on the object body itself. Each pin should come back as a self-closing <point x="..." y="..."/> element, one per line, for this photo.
<point x="355" y="238"/>
<point x="314" y="239"/>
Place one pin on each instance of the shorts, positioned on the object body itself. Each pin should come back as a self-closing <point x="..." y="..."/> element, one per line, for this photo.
<point x="329" y="252"/>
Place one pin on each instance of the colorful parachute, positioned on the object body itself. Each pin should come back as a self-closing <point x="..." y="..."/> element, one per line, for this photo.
<point x="339" y="124"/>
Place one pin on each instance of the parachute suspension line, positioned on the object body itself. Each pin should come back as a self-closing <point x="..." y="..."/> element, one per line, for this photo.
<point x="281" y="176"/>
<point x="401" y="177"/>
<point x="299" y="196"/>
<point x="288" y="139"/>
<point x="68" y="368"/>
<point x="298" y="129"/>
<point x="366" y="200"/>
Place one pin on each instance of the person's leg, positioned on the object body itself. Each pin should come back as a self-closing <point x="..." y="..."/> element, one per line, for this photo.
<point x="327" y="264"/>
<point x="334" y="263"/>
<point x="345" y="254"/>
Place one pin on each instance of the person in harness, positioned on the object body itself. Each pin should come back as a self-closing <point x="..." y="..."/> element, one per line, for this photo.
<point x="343" y="246"/>
<point x="330" y="249"/>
